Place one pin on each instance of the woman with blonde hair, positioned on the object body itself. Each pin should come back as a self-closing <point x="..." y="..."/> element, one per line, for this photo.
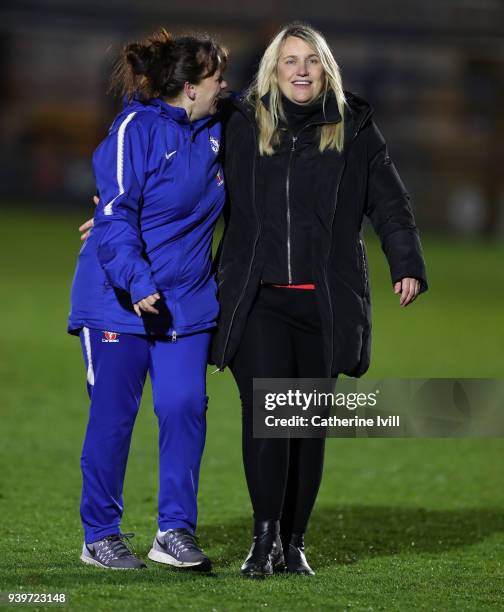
<point x="304" y="162"/>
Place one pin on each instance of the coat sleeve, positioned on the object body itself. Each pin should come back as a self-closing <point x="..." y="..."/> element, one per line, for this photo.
<point x="388" y="208"/>
<point x="226" y="152"/>
<point x="119" y="165"/>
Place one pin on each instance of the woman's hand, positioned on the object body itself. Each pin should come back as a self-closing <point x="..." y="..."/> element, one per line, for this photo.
<point x="85" y="228"/>
<point x="147" y="304"/>
<point x="408" y="288"/>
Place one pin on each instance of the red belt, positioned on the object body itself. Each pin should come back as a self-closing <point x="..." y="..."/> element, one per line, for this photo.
<point x="304" y="286"/>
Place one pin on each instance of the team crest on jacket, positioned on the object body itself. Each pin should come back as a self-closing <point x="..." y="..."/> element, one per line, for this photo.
<point x="219" y="178"/>
<point x="110" y="336"/>
<point x="215" y="144"/>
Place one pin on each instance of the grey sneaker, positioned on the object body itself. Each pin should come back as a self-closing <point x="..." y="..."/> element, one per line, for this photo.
<point x="111" y="553"/>
<point x="180" y="548"/>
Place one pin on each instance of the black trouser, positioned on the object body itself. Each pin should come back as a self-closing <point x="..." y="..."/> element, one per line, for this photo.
<point x="282" y="339"/>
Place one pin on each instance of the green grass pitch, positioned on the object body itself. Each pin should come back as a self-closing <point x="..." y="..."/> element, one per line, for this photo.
<point x="399" y="524"/>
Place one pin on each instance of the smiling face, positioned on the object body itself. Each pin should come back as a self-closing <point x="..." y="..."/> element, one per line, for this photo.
<point x="206" y="95"/>
<point x="300" y="73"/>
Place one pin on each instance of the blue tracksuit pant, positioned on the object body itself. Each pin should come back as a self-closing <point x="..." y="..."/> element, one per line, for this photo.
<point x="116" y="371"/>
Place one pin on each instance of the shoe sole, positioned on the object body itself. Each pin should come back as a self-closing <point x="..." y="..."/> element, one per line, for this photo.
<point x="91" y="561"/>
<point x="255" y="575"/>
<point x="161" y="557"/>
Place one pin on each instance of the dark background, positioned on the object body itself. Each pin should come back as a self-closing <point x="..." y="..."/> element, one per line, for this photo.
<point x="432" y="71"/>
<point x="399" y="524"/>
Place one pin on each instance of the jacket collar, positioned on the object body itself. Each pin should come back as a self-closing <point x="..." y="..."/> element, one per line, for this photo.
<point x="357" y="111"/>
<point x="322" y="113"/>
<point x="176" y="113"/>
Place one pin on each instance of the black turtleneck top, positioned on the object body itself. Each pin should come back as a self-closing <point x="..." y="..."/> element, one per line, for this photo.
<point x="287" y="187"/>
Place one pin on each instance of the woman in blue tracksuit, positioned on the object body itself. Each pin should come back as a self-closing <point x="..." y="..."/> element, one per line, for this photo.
<point x="144" y="297"/>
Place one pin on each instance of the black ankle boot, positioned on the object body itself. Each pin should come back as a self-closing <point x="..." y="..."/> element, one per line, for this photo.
<point x="277" y="556"/>
<point x="295" y="557"/>
<point x="265" y="553"/>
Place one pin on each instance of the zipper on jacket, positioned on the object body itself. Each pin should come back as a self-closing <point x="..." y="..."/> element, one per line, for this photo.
<point x="174" y="336"/>
<point x="330" y="241"/>
<point x="258" y="234"/>
<point x="287" y="193"/>
<point x="364" y="267"/>
<point x="255" y="247"/>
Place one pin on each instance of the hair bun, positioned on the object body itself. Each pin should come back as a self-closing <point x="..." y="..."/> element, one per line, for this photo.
<point x="139" y="57"/>
<point x="159" y="66"/>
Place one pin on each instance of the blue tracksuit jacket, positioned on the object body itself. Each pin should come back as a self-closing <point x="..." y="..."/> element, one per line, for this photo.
<point x="161" y="190"/>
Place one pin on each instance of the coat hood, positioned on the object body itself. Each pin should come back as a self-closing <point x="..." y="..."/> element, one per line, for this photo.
<point x="357" y="110"/>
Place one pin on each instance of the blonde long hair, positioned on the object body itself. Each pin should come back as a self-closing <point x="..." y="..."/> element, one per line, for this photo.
<point x="331" y="135"/>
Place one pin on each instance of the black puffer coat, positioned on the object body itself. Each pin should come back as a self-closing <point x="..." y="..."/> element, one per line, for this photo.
<point x="362" y="180"/>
